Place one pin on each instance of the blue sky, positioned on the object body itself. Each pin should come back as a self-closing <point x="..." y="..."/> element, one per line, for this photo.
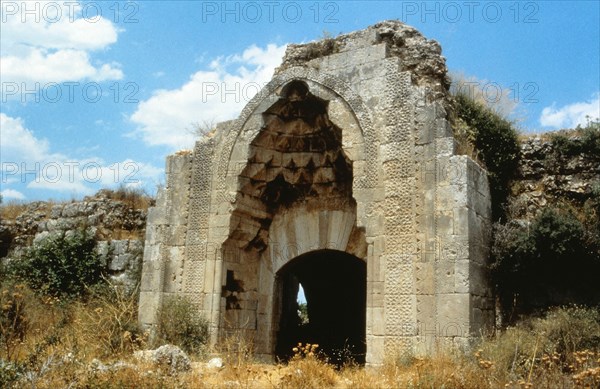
<point x="96" y="94"/>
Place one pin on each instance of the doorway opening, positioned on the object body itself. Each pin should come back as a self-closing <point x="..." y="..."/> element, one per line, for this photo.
<point x="334" y="285"/>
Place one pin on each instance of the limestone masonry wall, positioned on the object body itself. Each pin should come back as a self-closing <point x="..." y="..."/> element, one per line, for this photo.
<point x="117" y="227"/>
<point x="347" y="150"/>
<point x="425" y="251"/>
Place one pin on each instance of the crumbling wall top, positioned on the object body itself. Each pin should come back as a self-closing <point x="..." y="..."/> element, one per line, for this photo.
<point x="419" y="55"/>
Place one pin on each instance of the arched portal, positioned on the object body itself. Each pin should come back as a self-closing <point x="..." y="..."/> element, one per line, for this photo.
<point x="348" y="148"/>
<point x="334" y="284"/>
<point x="294" y="196"/>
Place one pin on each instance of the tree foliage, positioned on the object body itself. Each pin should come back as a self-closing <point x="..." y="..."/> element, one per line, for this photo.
<point x="588" y="141"/>
<point x="496" y="142"/>
<point x="61" y="265"/>
<point x="552" y="261"/>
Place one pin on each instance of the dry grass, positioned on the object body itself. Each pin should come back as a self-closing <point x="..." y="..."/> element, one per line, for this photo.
<point x="13" y="209"/>
<point x="438" y="372"/>
<point x="62" y="341"/>
<point x="134" y="198"/>
<point x="107" y="325"/>
<point x="464" y="141"/>
<point x="119" y="233"/>
<point x="569" y="133"/>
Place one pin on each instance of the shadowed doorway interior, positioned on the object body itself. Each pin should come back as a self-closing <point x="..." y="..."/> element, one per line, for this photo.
<point x="334" y="284"/>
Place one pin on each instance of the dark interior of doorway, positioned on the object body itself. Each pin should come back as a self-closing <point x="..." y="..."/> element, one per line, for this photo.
<point x="334" y="284"/>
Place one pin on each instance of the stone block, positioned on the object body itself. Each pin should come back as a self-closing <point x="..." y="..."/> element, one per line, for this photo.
<point x="149" y="304"/>
<point x="445" y="146"/>
<point x="463" y="276"/>
<point x="151" y="280"/>
<point x="453" y="309"/>
<point x="156" y="216"/>
<point x="445" y="223"/>
<point x="173" y="273"/>
<point x="375" y="350"/>
<point x="378" y="321"/>
<point x="426" y="312"/>
<point x="460" y="222"/>
<point x="443" y="128"/>
<point x="424" y="278"/>
<point x="445" y="277"/>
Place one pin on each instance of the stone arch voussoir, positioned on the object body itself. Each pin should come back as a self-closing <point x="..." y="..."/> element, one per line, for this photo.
<point x="307" y="232"/>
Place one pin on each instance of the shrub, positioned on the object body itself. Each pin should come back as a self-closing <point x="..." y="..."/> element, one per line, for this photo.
<point x="107" y="323"/>
<point x="550" y="262"/>
<point x="29" y="323"/>
<point x="496" y="141"/>
<point x="13" y="321"/>
<point x="571" y="329"/>
<point x="9" y="374"/>
<point x="591" y="211"/>
<point x="590" y="138"/>
<point x="133" y="197"/>
<point x="542" y="349"/>
<point x="564" y="145"/>
<point x="584" y="140"/>
<point x="180" y="323"/>
<point x="303" y="313"/>
<point x="61" y="265"/>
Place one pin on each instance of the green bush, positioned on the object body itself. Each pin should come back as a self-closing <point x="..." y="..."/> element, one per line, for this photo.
<point x="552" y="261"/>
<point x="570" y="329"/>
<point x="496" y="142"/>
<point x="180" y="323"/>
<point x="61" y="265"/>
<point x="10" y="373"/>
<point x="303" y="313"/>
<point x="587" y="141"/>
<point x="590" y="138"/>
<point x="592" y="205"/>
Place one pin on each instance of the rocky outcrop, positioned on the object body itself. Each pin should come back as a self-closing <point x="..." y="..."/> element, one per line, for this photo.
<point x="169" y="357"/>
<point x="547" y="175"/>
<point x="117" y="224"/>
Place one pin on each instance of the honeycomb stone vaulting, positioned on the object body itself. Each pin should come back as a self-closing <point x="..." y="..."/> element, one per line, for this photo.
<point x="341" y="176"/>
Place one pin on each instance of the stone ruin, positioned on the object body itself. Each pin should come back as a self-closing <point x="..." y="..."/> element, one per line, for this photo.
<point x="341" y="176"/>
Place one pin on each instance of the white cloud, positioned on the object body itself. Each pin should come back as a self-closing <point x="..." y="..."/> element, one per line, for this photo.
<point x="12" y="194"/>
<point x="571" y="115"/>
<point x="29" y="161"/>
<point x="64" y="65"/>
<point x="20" y="144"/>
<point x="59" y="177"/>
<point x="129" y="173"/>
<point x="52" y="42"/>
<point x="69" y="30"/>
<point x="216" y="94"/>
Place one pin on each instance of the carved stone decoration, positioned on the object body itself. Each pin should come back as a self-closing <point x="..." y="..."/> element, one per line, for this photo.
<point x="340" y="177"/>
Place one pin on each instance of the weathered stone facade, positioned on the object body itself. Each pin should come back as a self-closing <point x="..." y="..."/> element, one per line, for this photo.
<point x="340" y="175"/>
